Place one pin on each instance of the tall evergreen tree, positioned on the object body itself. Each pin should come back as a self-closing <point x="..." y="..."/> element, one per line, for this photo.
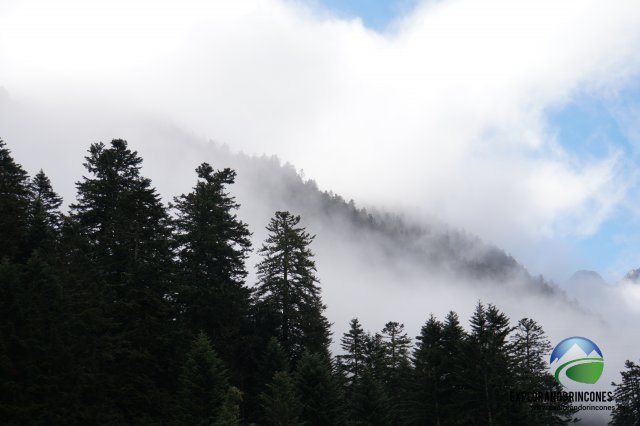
<point x="627" y="397"/>
<point x="397" y="375"/>
<point x="34" y="329"/>
<point x="375" y="355"/>
<point x="229" y="413"/>
<point x="318" y="391"/>
<point x="369" y="402"/>
<point x="127" y="231"/>
<point x="274" y="359"/>
<point x="288" y="288"/>
<point x="396" y="343"/>
<point x="14" y="206"/>
<point x="203" y="384"/>
<point x="353" y="345"/>
<point x="486" y="374"/>
<point x="212" y="246"/>
<point x="280" y="402"/>
<point x="33" y="334"/>
<point x="453" y="338"/>
<point x="530" y="348"/>
<point x="44" y="219"/>
<point x="426" y="400"/>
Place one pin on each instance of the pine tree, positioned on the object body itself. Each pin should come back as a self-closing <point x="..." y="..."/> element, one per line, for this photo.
<point x="270" y="359"/>
<point x="121" y="215"/>
<point x="127" y="234"/>
<point x="353" y="344"/>
<point x="627" y="397"/>
<point x="280" y="402"/>
<point x="229" y="413"/>
<point x="203" y="384"/>
<point x="396" y="343"/>
<point x="397" y="369"/>
<point x="213" y="245"/>
<point x="319" y="394"/>
<point x="33" y="332"/>
<point x="34" y="329"/>
<point x="486" y="375"/>
<point x="529" y="348"/>
<point x="453" y="337"/>
<point x="273" y="360"/>
<point x="14" y="206"/>
<point x="376" y="357"/>
<point x="288" y="288"/>
<point x="428" y="357"/>
<point x="44" y="219"/>
<point x="369" y="403"/>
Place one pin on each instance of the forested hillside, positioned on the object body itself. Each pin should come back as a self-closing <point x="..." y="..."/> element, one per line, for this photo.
<point x="436" y="246"/>
<point x="125" y="310"/>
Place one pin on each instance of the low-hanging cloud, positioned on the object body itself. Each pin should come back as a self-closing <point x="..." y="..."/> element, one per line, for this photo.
<point x="444" y="113"/>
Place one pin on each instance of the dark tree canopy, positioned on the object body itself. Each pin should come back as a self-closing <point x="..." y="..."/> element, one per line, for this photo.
<point x="14" y="206"/>
<point x="627" y="396"/>
<point x="288" y="287"/>
<point x="353" y="344"/>
<point x="280" y="401"/>
<point x="204" y="384"/>
<point x="44" y="219"/>
<point x="212" y="247"/>
<point x="122" y="311"/>
<point x="127" y="231"/>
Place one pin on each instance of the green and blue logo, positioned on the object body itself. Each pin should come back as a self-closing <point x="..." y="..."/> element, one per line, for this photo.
<point x="577" y="359"/>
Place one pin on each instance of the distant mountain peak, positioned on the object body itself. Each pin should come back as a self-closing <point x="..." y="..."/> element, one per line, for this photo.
<point x="587" y="277"/>
<point x="633" y="276"/>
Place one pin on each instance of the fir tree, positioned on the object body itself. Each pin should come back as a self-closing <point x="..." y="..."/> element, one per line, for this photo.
<point x="34" y="329"/>
<point x="369" y="403"/>
<point x="396" y="343"/>
<point x="627" y="397"/>
<point x="270" y="361"/>
<point x="428" y="357"/>
<point x="486" y="374"/>
<point x="203" y="384"/>
<point x="280" y="402"/>
<point x="213" y="245"/>
<point x="529" y="348"/>
<point x="44" y="219"/>
<point x="319" y="394"/>
<point x="229" y="413"/>
<point x="453" y="337"/>
<point x="14" y="206"/>
<point x="353" y="344"/>
<point x="376" y="357"/>
<point x="273" y="360"/>
<point x="288" y="288"/>
<point x="127" y="235"/>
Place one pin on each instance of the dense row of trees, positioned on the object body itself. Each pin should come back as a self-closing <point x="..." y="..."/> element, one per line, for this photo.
<point x="126" y="311"/>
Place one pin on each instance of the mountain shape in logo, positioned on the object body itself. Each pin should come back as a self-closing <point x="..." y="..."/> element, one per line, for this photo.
<point x="577" y="359"/>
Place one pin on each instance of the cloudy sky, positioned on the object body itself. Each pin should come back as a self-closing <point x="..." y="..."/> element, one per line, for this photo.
<point x="517" y="120"/>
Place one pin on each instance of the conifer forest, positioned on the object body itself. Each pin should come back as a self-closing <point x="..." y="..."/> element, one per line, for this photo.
<point x="124" y="310"/>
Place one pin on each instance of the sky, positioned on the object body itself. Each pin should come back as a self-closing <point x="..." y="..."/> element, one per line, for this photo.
<point x="586" y="125"/>
<point x="515" y="120"/>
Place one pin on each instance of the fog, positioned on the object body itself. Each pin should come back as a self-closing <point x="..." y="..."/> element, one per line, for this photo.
<point x="446" y="113"/>
<point x="442" y="120"/>
<point x="375" y="275"/>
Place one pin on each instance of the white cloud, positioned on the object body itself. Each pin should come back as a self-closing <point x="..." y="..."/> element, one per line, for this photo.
<point x="444" y="114"/>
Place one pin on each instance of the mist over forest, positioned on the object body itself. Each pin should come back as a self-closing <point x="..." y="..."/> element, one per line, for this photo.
<point x="286" y="212"/>
<point x="380" y="265"/>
